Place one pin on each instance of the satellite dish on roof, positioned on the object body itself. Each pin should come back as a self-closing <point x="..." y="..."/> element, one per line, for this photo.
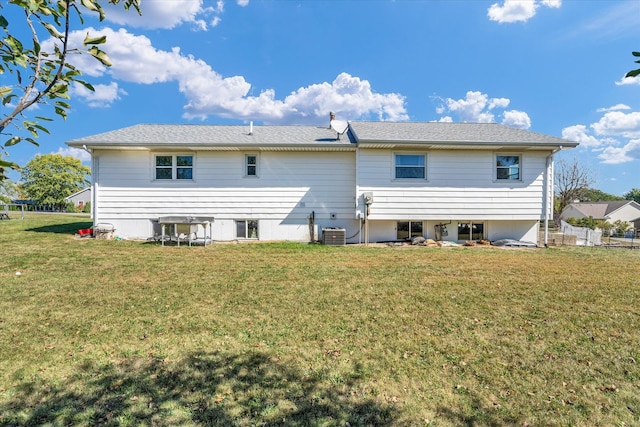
<point x="339" y="126"/>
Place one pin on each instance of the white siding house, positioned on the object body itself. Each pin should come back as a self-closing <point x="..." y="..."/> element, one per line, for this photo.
<point x="380" y="181"/>
<point x="80" y="198"/>
<point x="611" y="211"/>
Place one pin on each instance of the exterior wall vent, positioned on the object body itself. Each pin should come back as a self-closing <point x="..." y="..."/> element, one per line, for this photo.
<point x="334" y="236"/>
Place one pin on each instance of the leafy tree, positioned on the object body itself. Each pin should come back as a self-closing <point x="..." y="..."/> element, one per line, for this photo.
<point x="8" y="191"/>
<point x="633" y="194"/>
<point x="572" y="182"/>
<point x="634" y="73"/>
<point x="621" y="226"/>
<point x="584" y="222"/>
<point x="49" y="178"/>
<point x="40" y="77"/>
<point x="594" y="195"/>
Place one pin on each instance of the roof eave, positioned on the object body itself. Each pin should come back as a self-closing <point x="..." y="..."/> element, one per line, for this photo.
<point x="208" y="147"/>
<point x="465" y="144"/>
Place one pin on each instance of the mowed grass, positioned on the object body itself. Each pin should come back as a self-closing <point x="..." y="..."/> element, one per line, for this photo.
<point x="122" y="333"/>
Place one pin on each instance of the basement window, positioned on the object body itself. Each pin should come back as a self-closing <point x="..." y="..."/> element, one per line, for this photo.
<point x="247" y="229"/>
<point x="173" y="167"/>
<point x="470" y="231"/>
<point x="407" y="230"/>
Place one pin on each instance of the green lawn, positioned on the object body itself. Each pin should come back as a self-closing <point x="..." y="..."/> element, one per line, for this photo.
<point x="122" y="333"/>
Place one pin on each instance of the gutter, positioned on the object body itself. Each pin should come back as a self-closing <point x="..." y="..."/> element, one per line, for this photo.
<point x="549" y="194"/>
<point x="94" y="191"/>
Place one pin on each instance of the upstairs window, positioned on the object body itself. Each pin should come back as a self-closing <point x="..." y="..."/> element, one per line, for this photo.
<point x="508" y="167"/>
<point x="410" y="166"/>
<point x="171" y="166"/>
<point x="250" y="165"/>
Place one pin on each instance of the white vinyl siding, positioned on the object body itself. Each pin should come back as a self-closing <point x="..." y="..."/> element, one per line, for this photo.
<point x="292" y="187"/>
<point x="461" y="185"/>
<point x="626" y="213"/>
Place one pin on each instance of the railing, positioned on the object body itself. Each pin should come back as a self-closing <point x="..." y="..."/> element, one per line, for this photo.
<point x="7" y="208"/>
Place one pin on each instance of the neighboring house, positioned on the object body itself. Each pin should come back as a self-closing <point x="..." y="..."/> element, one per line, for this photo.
<point x="612" y="211"/>
<point x="379" y="181"/>
<point x="636" y="226"/>
<point x="80" y="199"/>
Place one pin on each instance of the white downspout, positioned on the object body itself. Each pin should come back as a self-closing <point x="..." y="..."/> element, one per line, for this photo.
<point x="549" y="196"/>
<point x="94" y="189"/>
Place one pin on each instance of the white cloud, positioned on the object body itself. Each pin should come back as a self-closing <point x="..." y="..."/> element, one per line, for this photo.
<point x="618" y="123"/>
<point x="78" y="153"/>
<point x="349" y="96"/>
<point x="103" y="96"/>
<point x="242" y="3"/>
<point x="618" y="132"/>
<point x="164" y="14"/>
<point x="627" y="153"/>
<point x="616" y="107"/>
<point x="579" y="134"/>
<point x="477" y="107"/>
<point x="615" y="21"/>
<point x="208" y="93"/>
<point x="516" y="119"/>
<point x="518" y="10"/>
<point x="628" y="81"/>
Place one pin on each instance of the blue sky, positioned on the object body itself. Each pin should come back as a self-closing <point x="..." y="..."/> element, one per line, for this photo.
<point x="549" y="66"/>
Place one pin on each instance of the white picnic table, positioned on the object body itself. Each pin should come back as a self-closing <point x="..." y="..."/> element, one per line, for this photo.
<point x="185" y="228"/>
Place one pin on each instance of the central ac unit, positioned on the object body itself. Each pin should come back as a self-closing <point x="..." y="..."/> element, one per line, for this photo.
<point x="334" y="236"/>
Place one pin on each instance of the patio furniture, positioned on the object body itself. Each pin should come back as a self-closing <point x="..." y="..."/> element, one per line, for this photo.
<point x="185" y="229"/>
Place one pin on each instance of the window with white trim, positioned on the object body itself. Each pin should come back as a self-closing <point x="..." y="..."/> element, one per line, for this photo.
<point x="247" y="229"/>
<point x="410" y="166"/>
<point x="250" y="165"/>
<point x="508" y="167"/>
<point x="173" y="167"/>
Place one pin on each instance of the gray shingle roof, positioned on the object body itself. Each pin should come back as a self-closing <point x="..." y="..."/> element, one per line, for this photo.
<point x="597" y="210"/>
<point x="438" y="132"/>
<point x="488" y="135"/>
<point x="600" y="210"/>
<point x="215" y="136"/>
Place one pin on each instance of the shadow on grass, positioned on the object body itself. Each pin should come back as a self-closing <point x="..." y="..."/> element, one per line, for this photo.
<point x="205" y="389"/>
<point x="478" y="414"/>
<point x="69" y="228"/>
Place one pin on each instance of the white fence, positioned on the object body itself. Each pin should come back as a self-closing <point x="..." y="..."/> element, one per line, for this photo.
<point x="584" y="236"/>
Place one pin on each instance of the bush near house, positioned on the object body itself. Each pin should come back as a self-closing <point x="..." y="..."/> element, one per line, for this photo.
<point x="132" y="333"/>
<point x="585" y="222"/>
